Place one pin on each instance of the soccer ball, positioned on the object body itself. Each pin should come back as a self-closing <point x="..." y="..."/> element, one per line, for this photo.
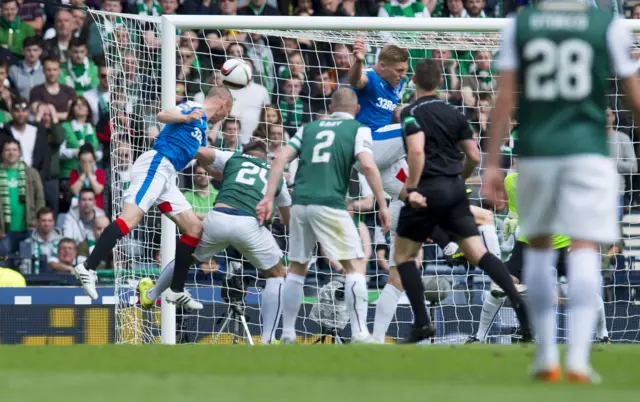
<point x="436" y="289"/>
<point x="236" y="73"/>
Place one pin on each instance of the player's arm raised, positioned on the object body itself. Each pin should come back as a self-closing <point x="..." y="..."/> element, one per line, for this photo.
<point x="493" y="185"/>
<point x="179" y="115"/>
<point x="357" y="79"/>
<point x="370" y="171"/>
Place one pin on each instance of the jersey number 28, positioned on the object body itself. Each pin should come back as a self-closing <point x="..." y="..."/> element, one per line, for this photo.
<point x="248" y="174"/>
<point x="558" y="70"/>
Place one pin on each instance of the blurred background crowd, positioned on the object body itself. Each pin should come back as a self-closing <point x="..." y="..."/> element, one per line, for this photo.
<point x="59" y="112"/>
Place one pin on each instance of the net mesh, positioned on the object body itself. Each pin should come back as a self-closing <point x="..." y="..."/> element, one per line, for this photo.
<point x="295" y="73"/>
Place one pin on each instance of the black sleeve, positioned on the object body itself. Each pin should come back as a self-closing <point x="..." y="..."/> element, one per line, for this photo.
<point x="465" y="132"/>
<point x="410" y="125"/>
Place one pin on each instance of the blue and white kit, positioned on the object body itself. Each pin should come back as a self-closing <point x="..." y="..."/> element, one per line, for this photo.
<point x="377" y="101"/>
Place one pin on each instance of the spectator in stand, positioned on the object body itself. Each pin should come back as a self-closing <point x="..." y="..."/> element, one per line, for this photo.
<point x="635" y="12"/>
<point x="295" y="112"/>
<point x="45" y="238"/>
<point x="77" y="132"/>
<point x="169" y="7"/>
<point x="21" y="196"/>
<point x="343" y="59"/>
<point x="203" y="194"/>
<point x="199" y="7"/>
<point x="31" y="14"/>
<point x="28" y="72"/>
<point x="12" y="30"/>
<point x="58" y="39"/>
<point x="229" y="7"/>
<point x="47" y="121"/>
<point x="259" y="8"/>
<point x="88" y="175"/>
<point x="33" y="142"/>
<point x="455" y="9"/>
<point x="79" y="18"/>
<point x="236" y="49"/>
<point x="85" y="248"/>
<point x="475" y="8"/>
<point x="450" y="87"/>
<point x="188" y="69"/>
<point x="52" y="92"/>
<point x="295" y="67"/>
<point x="403" y="8"/>
<point x="275" y="140"/>
<point x="269" y="115"/>
<point x="66" y="257"/>
<point x="304" y="7"/>
<point x="621" y="150"/>
<point x="230" y="141"/>
<point x="6" y="96"/>
<point x="145" y="7"/>
<point x="480" y="77"/>
<point x="247" y="105"/>
<point x="79" y="72"/>
<point x="330" y="8"/>
<point x="321" y="91"/>
<point x="99" y="97"/>
<point x="261" y="56"/>
<point x="78" y="222"/>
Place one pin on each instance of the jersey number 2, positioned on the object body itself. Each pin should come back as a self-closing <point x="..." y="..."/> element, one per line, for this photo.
<point x="247" y="175"/>
<point x="560" y="70"/>
<point x="318" y="155"/>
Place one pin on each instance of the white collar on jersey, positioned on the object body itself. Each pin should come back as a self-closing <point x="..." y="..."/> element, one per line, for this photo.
<point x="341" y="115"/>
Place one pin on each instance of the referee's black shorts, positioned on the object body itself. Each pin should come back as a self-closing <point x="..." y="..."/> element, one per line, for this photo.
<point x="447" y="207"/>
<point x="516" y="261"/>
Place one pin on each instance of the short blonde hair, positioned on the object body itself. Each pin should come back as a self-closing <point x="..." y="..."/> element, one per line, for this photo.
<point x="392" y="54"/>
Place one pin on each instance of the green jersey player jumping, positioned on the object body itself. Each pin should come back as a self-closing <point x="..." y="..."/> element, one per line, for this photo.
<point x="557" y="60"/>
<point x="233" y="222"/>
<point x="327" y="150"/>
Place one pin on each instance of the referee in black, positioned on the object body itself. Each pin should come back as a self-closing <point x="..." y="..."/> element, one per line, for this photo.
<point x="434" y="135"/>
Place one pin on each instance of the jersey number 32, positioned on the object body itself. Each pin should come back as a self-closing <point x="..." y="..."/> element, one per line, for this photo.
<point x="558" y="70"/>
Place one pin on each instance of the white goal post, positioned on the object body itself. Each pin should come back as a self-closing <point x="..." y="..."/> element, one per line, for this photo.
<point x="466" y="34"/>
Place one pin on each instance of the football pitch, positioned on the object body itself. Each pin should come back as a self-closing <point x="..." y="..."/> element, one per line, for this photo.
<point x="301" y="373"/>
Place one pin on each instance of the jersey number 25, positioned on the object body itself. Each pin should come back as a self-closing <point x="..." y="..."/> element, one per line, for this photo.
<point x="558" y="70"/>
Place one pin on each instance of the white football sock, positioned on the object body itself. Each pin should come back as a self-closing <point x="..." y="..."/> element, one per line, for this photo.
<point x="357" y="300"/>
<point x="271" y="308"/>
<point x="291" y="300"/>
<point x="540" y="277"/>
<point x="490" y="238"/>
<point x="601" y="326"/>
<point x="490" y="307"/>
<point x="584" y="284"/>
<point x="163" y="282"/>
<point x="385" y="310"/>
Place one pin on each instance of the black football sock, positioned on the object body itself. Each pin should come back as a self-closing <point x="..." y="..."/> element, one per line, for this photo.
<point x="412" y="283"/>
<point x="184" y="256"/>
<point x="440" y="237"/>
<point x="499" y="274"/>
<point x="105" y="244"/>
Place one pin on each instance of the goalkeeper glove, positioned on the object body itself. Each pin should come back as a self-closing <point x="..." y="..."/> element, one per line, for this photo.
<point x="453" y="256"/>
<point x="510" y="224"/>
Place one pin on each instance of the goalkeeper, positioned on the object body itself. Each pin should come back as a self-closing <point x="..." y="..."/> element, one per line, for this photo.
<point x="495" y="297"/>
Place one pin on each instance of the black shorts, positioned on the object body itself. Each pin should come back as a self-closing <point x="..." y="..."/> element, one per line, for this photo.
<point x="447" y="207"/>
<point x="516" y="260"/>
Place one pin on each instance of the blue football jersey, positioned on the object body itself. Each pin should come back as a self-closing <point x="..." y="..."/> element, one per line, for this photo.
<point x="179" y="142"/>
<point x="377" y="101"/>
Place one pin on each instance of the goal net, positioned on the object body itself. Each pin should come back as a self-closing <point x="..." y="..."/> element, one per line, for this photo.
<point x="295" y="73"/>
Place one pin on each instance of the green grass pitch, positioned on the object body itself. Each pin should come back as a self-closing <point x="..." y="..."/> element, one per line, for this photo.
<point x="301" y="373"/>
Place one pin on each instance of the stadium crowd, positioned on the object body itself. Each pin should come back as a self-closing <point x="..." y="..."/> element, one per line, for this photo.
<point x="59" y="113"/>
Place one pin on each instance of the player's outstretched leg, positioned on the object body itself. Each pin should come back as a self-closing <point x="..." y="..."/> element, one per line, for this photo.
<point x="148" y="298"/>
<point x="602" y="334"/>
<point x="584" y="284"/>
<point x="478" y="255"/>
<point x="490" y="307"/>
<point x="191" y="228"/>
<point x="357" y="300"/>
<point x="86" y="272"/>
<point x="272" y="298"/>
<point x="293" y="291"/>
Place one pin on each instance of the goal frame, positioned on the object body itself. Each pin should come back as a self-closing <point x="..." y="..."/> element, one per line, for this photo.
<point x="170" y="23"/>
